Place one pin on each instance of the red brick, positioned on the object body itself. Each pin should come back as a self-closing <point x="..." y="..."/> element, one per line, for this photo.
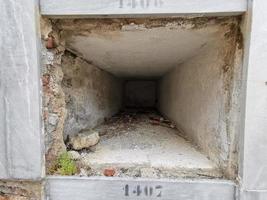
<point x="109" y="172"/>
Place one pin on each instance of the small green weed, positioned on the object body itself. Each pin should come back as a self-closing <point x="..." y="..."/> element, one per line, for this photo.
<point x="66" y="166"/>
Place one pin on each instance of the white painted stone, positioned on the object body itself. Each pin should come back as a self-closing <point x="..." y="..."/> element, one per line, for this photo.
<point x="141" y="7"/>
<point x="96" y="188"/>
<point x="254" y="163"/>
<point x="21" y="144"/>
<point x="253" y="195"/>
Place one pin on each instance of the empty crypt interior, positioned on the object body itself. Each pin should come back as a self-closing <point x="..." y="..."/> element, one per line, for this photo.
<point x="146" y="97"/>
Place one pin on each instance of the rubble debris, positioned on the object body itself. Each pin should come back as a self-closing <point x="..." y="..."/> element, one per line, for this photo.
<point x="109" y="172"/>
<point x="45" y="79"/>
<point x="50" y="43"/>
<point x="127" y="119"/>
<point x="74" y="155"/>
<point x="123" y="121"/>
<point x="128" y="126"/>
<point x="83" y="172"/>
<point x="83" y="140"/>
<point x="53" y="119"/>
<point x="149" y="173"/>
<point x="160" y="121"/>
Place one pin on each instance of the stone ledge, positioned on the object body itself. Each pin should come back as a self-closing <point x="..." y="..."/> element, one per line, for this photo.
<point x="141" y="7"/>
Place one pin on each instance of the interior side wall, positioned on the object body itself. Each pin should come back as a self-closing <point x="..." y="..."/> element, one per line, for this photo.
<point x="91" y="94"/>
<point x="198" y="94"/>
<point x="139" y="93"/>
<point x="191" y="96"/>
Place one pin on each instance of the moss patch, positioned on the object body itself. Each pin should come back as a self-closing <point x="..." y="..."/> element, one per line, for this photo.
<point x="66" y="165"/>
<point x="63" y="166"/>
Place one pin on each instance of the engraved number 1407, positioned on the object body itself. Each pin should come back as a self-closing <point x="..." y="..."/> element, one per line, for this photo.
<point x="138" y="190"/>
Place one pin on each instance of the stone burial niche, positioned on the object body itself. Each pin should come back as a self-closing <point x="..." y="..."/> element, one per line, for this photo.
<point x="154" y="98"/>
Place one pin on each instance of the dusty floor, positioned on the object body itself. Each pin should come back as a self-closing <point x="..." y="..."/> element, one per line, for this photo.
<point x="144" y="144"/>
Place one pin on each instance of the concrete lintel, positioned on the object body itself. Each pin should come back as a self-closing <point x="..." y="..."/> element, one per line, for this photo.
<point x="127" y="8"/>
<point x="105" y="188"/>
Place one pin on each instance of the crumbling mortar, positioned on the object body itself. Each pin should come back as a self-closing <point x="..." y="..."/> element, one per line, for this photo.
<point x="53" y="95"/>
<point x="84" y="27"/>
<point x="149" y="23"/>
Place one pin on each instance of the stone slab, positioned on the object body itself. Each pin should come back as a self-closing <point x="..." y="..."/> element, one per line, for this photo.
<point x="141" y="7"/>
<point x="254" y="163"/>
<point x="254" y="195"/>
<point x="146" y="145"/>
<point x="20" y="122"/>
<point x="96" y="188"/>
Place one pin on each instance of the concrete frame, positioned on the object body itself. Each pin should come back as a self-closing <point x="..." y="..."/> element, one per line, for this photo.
<point x="120" y="8"/>
<point x="21" y="144"/>
<point x="253" y="161"/>
<point x="21" y="151"/>
<point x="102" y="188"/>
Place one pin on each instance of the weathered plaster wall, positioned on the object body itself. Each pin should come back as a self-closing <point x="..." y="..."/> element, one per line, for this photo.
<point x="139" y="93"/>
<point x="91" y="94"/>
<point x="76" y="94"/>
<point x="200" y="95"/>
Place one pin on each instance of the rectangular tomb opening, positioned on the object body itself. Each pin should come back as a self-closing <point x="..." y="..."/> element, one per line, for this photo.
<point x="144" y="97"/>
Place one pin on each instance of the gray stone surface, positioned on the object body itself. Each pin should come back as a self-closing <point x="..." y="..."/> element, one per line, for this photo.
<point x="21" y="147"/>
<point x="70" y="188"/>
<point x="20" y="129"/>
<point x="143" y="7"/>
<point x="91" y="94"/>
<point x="142" y="48"/>
<point x="198" y="95"/>
<point x="139" y="144"/>
<point x="253" y="195"/>
<point x="84" y="140"/>
<point x="254" y="163"/>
